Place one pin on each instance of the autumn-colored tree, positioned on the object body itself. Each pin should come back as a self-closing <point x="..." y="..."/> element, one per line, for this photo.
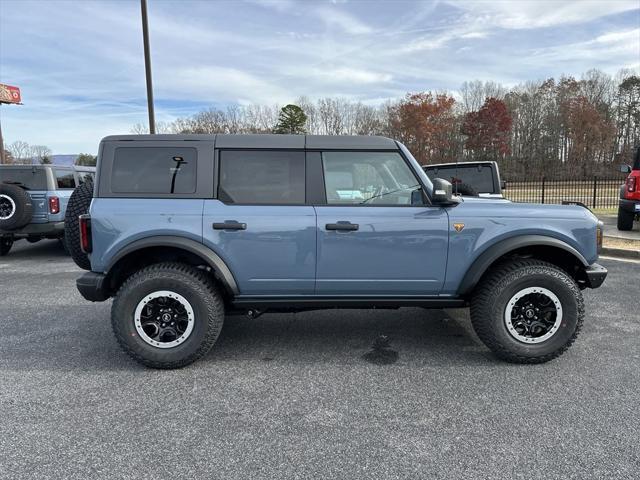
<point x="488" y="130"/>
<point x="425" y="123"/>
<point x="589" y="134"/>
<point x="560" y="127"/>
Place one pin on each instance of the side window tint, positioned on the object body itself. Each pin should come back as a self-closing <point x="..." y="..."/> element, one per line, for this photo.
<point x="376" y="178"/>
<point x="162" y="170"/>
<point x="64" y="179"/>
<point x="262" y="177"/>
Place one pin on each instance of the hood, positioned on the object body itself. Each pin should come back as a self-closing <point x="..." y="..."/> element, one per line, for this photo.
<point x="502" y="208"/>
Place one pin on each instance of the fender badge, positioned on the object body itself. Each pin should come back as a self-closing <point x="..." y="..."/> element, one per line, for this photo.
<point x="458" y="226"/>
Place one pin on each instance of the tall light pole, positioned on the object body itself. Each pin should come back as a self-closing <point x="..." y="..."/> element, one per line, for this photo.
<point x="147" y="66"/>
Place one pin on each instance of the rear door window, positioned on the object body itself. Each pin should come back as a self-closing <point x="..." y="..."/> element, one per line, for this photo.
<point x="65" y="179"/>
<point x="30" y="178"/>
<point x="154" y="170"/>
<point x="262" y="177"/>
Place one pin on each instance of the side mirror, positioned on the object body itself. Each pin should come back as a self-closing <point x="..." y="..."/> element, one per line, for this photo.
<point x="503" y="185"/>
<point x="442" y="192"/>
<point x="625" y="168"/>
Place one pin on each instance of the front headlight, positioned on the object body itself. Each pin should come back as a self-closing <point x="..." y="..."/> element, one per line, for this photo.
<point x="599" y="235"/>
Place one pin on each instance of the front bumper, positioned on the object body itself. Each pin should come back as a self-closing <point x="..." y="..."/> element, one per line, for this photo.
<point x="595" y="275"/>
<point x="631" y="206"/>
<point x="55" y="229"/>
<point x="93" y="287"/>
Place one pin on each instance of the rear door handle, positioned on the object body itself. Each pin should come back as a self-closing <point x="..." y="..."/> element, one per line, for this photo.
<point x="230" y="225"/>
<point x="342" y="226"/>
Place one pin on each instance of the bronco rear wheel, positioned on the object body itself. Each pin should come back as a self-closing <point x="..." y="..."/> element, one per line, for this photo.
<point x="527" y="311"/>
<point x="167" y="315"/>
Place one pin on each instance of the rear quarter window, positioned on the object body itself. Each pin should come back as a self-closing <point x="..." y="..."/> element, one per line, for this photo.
<point x="31" y="178"/>
<point x="154" y="170"/>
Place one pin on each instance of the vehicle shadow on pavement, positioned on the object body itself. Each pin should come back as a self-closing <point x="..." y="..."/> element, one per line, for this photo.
<point x="85" y="343"/>
<point x="44" y="250"/>
<point x="379" y="337"/>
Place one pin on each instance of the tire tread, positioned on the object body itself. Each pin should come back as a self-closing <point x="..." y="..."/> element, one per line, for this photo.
<point x="489" y="288"/>
<point x="213" y="301"/>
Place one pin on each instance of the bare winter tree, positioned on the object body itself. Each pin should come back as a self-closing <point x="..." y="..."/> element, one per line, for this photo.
<point x="564" y="126"/>
<point x="40" y="154"/>
<point x="475" y="92"/>
<point x="20" y="151"/>
<point x="161" y="127"/>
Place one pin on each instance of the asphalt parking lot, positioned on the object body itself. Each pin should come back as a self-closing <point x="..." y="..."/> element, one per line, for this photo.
<point x="293" y="396"/>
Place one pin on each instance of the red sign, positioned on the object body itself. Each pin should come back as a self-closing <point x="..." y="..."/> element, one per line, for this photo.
<point x="9" y="94"/>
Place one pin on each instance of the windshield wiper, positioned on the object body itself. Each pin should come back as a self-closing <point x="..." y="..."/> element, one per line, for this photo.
<point x="389" y="193"/>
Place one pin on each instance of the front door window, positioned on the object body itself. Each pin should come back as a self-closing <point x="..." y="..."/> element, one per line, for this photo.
<point x="368" y="178"/>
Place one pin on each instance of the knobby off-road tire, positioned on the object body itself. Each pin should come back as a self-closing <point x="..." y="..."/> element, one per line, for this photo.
<point x="16" y="208"/>
<point x="164" y="283"/>
<point x="497" y="291"/>
<point x="79" y="203"/>
<point x="625" y="219"/>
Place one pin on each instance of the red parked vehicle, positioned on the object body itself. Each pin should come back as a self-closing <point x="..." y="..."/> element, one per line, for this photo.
<point x="629" y="205"/>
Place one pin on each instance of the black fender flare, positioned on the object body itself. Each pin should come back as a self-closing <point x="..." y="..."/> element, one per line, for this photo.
<point x="497" y="250"/>
<point x="209" y="256"/>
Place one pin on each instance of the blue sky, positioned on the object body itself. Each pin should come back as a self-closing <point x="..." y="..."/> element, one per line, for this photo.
<point x="80" y="64"/>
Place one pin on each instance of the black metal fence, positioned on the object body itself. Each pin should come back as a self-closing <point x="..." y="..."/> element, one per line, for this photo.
<point x="595" y="192"/>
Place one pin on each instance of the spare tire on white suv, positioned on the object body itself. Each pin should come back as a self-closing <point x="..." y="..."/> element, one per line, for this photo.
<point x="79" y="203"/>
<point x="16" y="208"/>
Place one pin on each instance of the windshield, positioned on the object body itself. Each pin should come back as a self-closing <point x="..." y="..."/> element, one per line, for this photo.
<point x="28" y="177"/>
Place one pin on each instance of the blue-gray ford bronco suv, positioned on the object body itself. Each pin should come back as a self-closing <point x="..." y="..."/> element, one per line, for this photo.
<point x="183" y="229"/>
<point x="33" y="201"/>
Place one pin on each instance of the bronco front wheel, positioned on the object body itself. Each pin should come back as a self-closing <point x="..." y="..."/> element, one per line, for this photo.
<point x="167" y="315"/>
<point x="527" y="311"/>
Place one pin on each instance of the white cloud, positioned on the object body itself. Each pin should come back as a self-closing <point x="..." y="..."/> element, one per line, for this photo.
<point x="222" y="84"/>
<point x="334" y="17"/>
<point x="527" y="14"/>
<point x="344" y="75"/>
<point x="81" y="68"/>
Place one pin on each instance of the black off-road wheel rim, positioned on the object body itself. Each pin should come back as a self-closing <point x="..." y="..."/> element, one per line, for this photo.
<point x="7" y="207"/>
<point x="533" y="315"/>
<point x="164" y="319"/>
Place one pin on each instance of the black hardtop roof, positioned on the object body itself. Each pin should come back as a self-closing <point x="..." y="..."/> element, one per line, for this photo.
<point x="324" y="142"/>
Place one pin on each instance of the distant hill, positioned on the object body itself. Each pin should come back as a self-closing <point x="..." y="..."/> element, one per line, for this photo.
<point x="63" y="159"/>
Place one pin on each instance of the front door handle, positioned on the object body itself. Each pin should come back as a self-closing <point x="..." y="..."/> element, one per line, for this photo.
<point x="230" y="225"/>
<point x="342" y="226"/>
